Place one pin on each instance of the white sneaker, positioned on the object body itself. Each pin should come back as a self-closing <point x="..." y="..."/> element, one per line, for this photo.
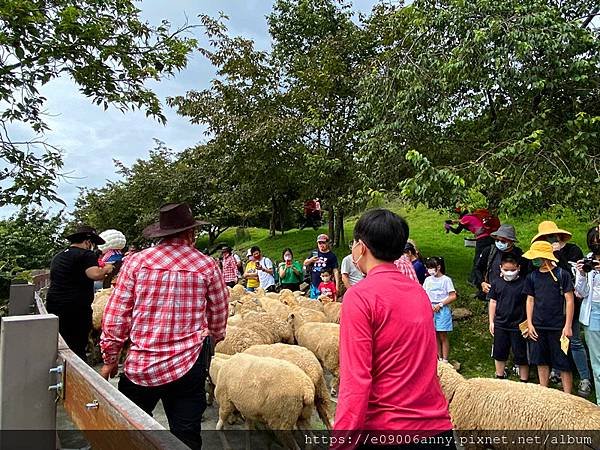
<point x="585" y="388"/>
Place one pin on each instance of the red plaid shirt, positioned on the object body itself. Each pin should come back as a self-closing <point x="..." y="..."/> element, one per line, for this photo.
<point x="406" y="268"/>
<point x="168" y="298"/>
<point x="230" y="269"/>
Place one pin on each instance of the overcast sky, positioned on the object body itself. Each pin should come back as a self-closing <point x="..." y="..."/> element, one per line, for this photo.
<point x="91" y="137"/>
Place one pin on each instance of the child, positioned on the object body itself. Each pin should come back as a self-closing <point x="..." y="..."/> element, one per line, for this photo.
<point x="327" y="287"/>
<point x="441" y="292"/>
<point x="548" y="288"/>
<point x="506" y="312"/>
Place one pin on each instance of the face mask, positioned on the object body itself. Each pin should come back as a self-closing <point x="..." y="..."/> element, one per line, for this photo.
<point x="432" y="272"/>
<point x="325" y="279"/>
<point x="502" y="246"/>
<point x="595" y="248"/>
<point x="537" y="262"/>
<point x="287" y="257"/>
<point x="509" y="275"/>
<point x="355" y="261"/>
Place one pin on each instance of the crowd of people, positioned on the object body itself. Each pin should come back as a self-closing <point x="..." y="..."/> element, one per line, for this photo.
<point x="171" y="302"/>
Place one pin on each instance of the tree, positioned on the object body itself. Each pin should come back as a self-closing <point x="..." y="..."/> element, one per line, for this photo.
<point x="131" y="204"/>
<point x="28" y="240"/>
<point x="104" y="47"/>
<point x="254" y="151"/>
<point x="322" y="53"/>
<point x="493" y="100"/>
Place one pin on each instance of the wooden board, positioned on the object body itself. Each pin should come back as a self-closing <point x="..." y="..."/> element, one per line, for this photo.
<point x="117" y="423"/>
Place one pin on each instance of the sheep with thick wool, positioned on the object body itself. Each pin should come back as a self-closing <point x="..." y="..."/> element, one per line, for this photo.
<point x="308" y="362"/>
<point x="490" y="404"/>
<point x="272" y="391"/>
<point x="281" y="329"/>
<point x="274" y="307"/>
<point x="98" y="305"/>
<point x="323" y="339"/>
<point x="332" y="309"/>
<point x="242" y="336"/>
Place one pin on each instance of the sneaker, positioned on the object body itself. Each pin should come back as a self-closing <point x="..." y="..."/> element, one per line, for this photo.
<point x="515" y="370"/>
<point x="555" y="377"/>
<point x="585" y="388"/>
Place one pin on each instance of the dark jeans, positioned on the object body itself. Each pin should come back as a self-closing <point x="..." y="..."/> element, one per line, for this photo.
<point x="184" y="400"/>
<point x="230" y="284"/>
<point x="74" y="325"/>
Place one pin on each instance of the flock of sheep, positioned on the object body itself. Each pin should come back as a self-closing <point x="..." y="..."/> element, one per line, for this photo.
<point x="271" y="367"/>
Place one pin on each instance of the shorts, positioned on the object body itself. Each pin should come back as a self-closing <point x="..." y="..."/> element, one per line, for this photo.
<point x="504" y="341"/>
<point x="251" y="289"/>
<point x="546" y="351"/>
<point x="443" y="319"/>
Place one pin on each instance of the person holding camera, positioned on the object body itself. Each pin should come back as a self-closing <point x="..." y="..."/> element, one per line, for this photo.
<point x="264" y="270"/>
<point x="587" y="286"/>
<point x="290" y="271"/>
<point x="568" y="254"/>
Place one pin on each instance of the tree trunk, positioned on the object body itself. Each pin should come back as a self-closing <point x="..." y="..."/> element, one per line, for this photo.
<point x="273" y="216"/>
<point x="331" y="219"/>
<point x="281" y="219"/>
<point x="340" y="237"/>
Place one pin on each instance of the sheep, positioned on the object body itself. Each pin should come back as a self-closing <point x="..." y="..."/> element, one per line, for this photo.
<point x="331" y="309"/>
<point x="300" y="315"/>
<point x="268" y="390"/>
<point x="239" y="338"/>
<point x="281" y="329"/>
<point x="274" y="307"/>
<point x="247" y="303"/>
<point x="490" y="404"/>
<point x="323" y="339"/>
<point x="236" y="292"/>
<point x="308" y="362"/>
<point x="98" y="305"/>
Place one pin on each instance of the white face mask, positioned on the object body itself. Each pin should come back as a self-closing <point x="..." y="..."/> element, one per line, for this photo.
<point x="509" y="275"/>
<point x="325" y="279"/>
<point x="355" y="262"/>
<point x="432" y="272"/>
<point x="287" y="257"/>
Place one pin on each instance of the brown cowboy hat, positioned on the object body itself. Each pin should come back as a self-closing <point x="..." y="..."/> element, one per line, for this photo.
<point x="83" y="233"/>
<point x="173" y="218"/>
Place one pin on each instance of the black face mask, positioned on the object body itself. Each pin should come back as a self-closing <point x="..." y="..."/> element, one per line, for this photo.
<point x="595" y="248"/>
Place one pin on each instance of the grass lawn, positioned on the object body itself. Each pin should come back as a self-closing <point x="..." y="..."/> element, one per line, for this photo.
<point x="470" y="342"/>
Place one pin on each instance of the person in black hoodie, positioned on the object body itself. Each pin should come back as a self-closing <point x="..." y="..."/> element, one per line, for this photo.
<point x="567" y="252"/>
<point x="487" y="269"/>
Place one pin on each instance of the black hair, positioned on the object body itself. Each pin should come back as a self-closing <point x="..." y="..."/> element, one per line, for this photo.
<point x="383" y="232"/>
<point x="593" y="236"/>
<point x="510" y="258"/>
<point x="256" y="248"/>
<point x="434" y="262"/>
<point x="227" y="249"/>
<point x="409" y="248"/>
<point x="326" y="271"/>
<point x="285" y="250"/>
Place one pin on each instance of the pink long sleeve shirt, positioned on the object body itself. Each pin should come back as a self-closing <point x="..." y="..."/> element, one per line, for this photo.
<point x="388" y="357"/>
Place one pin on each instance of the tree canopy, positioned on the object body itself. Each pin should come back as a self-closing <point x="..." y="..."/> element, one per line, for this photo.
<point x="104" y="47"/>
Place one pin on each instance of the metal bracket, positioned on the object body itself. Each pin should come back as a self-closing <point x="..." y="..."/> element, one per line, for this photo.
<point x="59" y="387"/>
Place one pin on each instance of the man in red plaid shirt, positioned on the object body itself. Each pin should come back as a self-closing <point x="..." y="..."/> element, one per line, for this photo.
<point x="168" y="300"/>
<point x="230" y="267"/>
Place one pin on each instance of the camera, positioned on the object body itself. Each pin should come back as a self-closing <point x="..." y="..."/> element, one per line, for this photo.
<point x="589" y="264"/>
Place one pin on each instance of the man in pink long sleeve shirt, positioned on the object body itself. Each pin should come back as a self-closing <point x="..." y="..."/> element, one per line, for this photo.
<point x="388" y="350"/>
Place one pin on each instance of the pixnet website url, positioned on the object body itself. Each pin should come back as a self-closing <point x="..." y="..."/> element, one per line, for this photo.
<point x="459" y="440"/>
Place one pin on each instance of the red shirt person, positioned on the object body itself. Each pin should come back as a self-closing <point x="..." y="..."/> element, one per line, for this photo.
<point x="388" y="349"/>
<point x="167" y="301"/>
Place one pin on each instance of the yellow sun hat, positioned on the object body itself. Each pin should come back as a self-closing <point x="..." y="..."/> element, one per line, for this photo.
<point x="540" y="249"/>
<point x="548" y="227"/>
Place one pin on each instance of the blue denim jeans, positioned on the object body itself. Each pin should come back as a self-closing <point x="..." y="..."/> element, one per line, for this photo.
<point x="578" y="352"/>
<point x="593" y="341"/>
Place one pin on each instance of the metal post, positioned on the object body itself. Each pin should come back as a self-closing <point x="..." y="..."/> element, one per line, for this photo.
<point x="21" y="299"/>
<point x="28" y="350"/>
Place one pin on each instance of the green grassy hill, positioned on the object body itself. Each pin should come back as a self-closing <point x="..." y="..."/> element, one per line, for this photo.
<point x="470" y="342"/>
